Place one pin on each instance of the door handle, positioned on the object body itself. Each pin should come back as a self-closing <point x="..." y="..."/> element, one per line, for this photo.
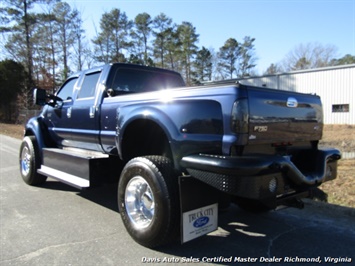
<point x="92" y="111"/>
<point x="69" y="112"/>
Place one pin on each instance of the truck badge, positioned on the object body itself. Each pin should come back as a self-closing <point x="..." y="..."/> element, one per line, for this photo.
<point x="291" y="102"/>
<point x="260" y="128"/>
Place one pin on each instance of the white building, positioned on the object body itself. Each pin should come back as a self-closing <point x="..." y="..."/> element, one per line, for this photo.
<point x="335" y="86"/>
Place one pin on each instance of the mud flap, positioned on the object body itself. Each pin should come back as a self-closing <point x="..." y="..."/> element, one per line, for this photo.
<point x="199" y="208"/>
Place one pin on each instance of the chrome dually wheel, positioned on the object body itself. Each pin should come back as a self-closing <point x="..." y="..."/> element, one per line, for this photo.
<point x="139" y="202"/>
<point x="30" y="161"/>
<point x="148" y="200"/>
<point x="25" y="161"/>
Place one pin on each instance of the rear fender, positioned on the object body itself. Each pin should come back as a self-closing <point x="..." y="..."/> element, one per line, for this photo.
<point x="125" y="116"/>
<point x="190" y="125"/>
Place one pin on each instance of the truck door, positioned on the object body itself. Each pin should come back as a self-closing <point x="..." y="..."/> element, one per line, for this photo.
<point x="58" y="117"/>
<point x="84" y="114"/>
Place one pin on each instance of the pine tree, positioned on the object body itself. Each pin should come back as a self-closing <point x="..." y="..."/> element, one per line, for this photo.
<point x="188" y="38"/>
<point x="143" y="23"/>
<point x="20" y="42"/>
<point x="65" y="18"/>
<point x="228" y="55"/>
<point x="248" y="59"/>
<point x="162" y="32"/>
<point x="12" y="79"/>
<point x="111" y="43"/>
<point x="202" y="66"/>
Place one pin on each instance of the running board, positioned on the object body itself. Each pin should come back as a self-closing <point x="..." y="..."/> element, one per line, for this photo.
<point x="66" y="178"/>
<point x="78" y="168"/>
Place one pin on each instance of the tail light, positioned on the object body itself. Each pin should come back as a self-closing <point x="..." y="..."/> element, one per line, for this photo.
<point x="240" y="116"/>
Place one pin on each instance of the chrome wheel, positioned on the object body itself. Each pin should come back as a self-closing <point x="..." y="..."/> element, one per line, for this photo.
<point x="25" y="161"/>
<point x="30" y="161"/>
<point x="148" y="200"/>
<point x="139" y="201"/>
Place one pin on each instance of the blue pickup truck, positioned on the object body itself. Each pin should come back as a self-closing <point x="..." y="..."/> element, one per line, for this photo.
<point x="177" y="152"/>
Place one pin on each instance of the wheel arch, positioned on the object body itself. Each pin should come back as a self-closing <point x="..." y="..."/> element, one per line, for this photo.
<point x="33" y="128"/>
<point x="140" y="128"/>
<point x="142" y="137"/>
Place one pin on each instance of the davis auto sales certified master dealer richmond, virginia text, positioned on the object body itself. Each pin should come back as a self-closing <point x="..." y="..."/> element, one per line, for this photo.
<point x="233" y="259"/>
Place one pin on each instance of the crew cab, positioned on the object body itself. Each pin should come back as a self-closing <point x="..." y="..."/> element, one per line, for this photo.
<point x="177" y="152"/>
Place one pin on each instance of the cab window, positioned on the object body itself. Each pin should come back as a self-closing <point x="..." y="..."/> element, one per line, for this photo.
<point x="88" y="86"/>
<point x="66" y="91"/>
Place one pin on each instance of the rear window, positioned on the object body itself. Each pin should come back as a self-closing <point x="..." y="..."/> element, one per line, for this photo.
<point x="136" y="80"/>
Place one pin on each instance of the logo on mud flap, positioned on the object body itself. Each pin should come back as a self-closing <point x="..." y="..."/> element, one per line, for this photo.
<point x="201" y="221"/>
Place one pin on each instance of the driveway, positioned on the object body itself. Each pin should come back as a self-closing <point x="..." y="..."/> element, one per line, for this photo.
<point x="59" y="225"/>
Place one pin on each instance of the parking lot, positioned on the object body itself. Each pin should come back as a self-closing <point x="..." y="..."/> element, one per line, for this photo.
<point x="59" y="225"/>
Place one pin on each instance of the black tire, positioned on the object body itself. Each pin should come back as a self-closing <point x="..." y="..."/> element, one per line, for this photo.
<point x="150" y="185"/>
<point x="30" y="161"/>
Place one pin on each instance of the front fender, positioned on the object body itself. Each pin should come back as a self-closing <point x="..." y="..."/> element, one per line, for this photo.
<point x="35" y="127"/>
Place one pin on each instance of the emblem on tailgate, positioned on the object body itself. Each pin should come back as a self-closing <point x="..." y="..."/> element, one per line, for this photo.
<point x="291" y="102"/>
<point x="260" y="128"/>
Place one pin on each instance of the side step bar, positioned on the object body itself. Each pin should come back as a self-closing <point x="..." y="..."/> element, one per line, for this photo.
<point x="66" y="178"/>
<point x="78" y="168"/>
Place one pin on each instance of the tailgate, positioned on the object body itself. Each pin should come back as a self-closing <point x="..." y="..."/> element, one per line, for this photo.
<point x="283" y="116"/>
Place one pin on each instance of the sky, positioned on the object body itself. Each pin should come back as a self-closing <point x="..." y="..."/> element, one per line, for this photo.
<point x="278" y="26"/>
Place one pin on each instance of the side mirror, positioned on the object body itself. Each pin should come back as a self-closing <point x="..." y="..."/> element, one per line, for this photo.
<point x="39" y="97"/>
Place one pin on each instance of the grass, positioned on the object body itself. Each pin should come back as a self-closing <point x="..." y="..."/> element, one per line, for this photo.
<point x="340" y="191"/>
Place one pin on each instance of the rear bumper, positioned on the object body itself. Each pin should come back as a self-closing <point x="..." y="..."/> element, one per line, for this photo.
<point x="261" y="176"/>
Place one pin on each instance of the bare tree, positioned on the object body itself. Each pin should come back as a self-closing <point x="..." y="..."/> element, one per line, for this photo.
<point x="81" y="48"/>
<point x="310" y="55"/>
<point x="273" y="69"/>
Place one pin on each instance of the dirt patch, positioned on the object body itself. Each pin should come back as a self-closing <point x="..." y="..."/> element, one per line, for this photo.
<point x="341" y="137"/>
<point x="340" y="191"/>
<point x="15" y="131"/>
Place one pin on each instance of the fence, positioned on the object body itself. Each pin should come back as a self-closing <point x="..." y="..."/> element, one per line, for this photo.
<point x="25" y="115"/>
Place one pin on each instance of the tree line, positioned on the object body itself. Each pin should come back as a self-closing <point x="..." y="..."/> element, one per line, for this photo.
<point x="52" y="43"/>
<point x="46" y="40"/>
